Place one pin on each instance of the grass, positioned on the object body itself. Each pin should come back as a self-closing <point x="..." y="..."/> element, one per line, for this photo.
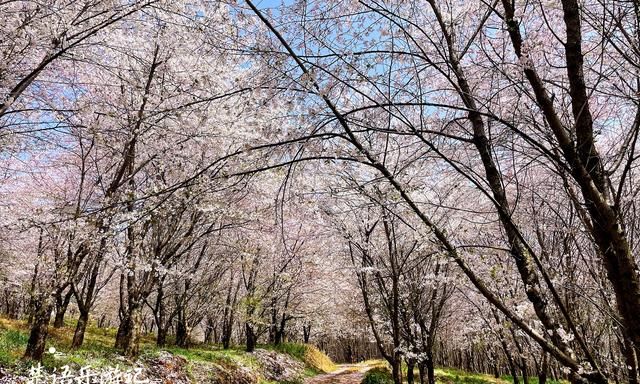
<point x="456" y="376"/>
<point x="532" y="380"/>
<point x="11" y="344"/>
<point x="209" y="353"/>
<point x="98" y="352"/>
<point x="378" y="375"/>
<point x="315" y="360"/>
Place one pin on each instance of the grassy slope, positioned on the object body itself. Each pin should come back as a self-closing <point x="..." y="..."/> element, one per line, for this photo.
<point x="315" y="360"/>
<point x="98" y="351"/>
<point x="381" y="375"/>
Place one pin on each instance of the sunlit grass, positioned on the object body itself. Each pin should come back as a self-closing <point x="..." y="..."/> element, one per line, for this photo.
<point x="98" y="352"/>
<point x="313" y="358"/>
<point x="533" y="380"/>
<point x="449" y="375"/>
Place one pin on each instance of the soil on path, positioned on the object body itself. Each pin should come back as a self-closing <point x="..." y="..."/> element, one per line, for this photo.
<point x="345" y="374"/>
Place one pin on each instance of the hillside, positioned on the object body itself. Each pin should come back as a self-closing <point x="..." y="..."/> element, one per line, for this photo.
<point x="286" y="363"/>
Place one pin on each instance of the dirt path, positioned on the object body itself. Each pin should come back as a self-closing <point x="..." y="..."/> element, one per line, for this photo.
<point x="346" y="374"/>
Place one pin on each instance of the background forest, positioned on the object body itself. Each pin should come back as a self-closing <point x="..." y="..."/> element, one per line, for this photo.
<point x="434" y="183"/>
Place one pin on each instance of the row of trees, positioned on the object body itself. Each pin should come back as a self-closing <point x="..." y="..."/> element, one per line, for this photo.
<point x="118" y="152"/>
<point x="465" y="173"/>
<point x="504" y="132"/>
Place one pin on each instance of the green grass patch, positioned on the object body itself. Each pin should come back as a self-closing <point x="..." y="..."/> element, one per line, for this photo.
<point x="378" y="375"/>
<point x="532" y="380"/>
<point x="12" y="344"/>
<point x="206" y="353"/>
<point x="457" y="376"/>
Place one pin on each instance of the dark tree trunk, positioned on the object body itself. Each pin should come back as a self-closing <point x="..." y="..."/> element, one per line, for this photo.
<point x="81" y="327"/>
<point x="160" y="315"/>
<point x="410" y="377"/>
<point x="210" y="334"/>
<point x="226" y="339"/>
<point x="421" y="372"/>
<point x="306" y="333"/>
<point x="182" y="334"/>
<point x="39" y="330"/>
<point x="62" y="303"/>
<point x="279" y="337"/>
<point x="85" y="299"/>
<point x="506" y="350"/>
<point x="125" y="324"/>
<point x="349" y="353"/>
<point x="161" y="339"/>
<point x="396" y="371"/>
<point x="251" y="337"/>
<point x="282" y="325"/>
<point x="525" y="371"/>
<point x="431" y="373"/>
<point x="229" y="313"/>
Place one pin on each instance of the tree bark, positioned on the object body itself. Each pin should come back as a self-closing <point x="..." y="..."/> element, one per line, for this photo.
<point x="161" y="339"/>
<point x="306" y="333"/>
<point x="128" y="336"/>
<point x="396" y="371"/>
<point x="62" y="303"/>
<point x="410" y="377"/>
<point x="182" y="333"/>
<point x="226" y="338"/>
<point x="210" y="332"/>
<point x="542" y="374"/>
<point x="39" y="329"/>
<point x="431" y="373"/>
<point x="251" y="337"/>
<point x="81" y="327"/>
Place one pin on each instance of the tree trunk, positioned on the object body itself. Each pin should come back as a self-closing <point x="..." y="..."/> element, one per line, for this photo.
<point x="542" y="375"/>
<point x="494" y="366"/>
<point x="251" y="337"/>
<point x="525" y="371"/>
<point x="210" y="334"/>
<point x="125" y="323"/>
<point x="396" y="371"/>
<point x="422" y="372"/>
<point x="306" y="333"/>
<point x="128" y="336"/>
<point x="228" y="317"/>
<point x="226" y="338"/>
<point x="39" y="330"/>
<point x="81" y="327"/>
<point x="182" y="334"/>
<point x="281" y="327"/>
<point x="161" y="339"/>
<point x="410" y="365"/>
<point x="273" y="327"/>
<point x="160" y="316"/>
<point x="62" y="303"/>
<point x="431" y="374"/>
